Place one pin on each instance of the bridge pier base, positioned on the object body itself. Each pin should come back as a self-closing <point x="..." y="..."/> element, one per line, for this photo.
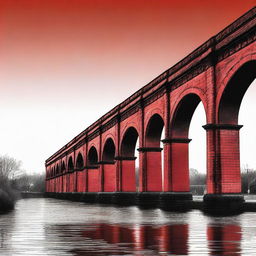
<point x="89" y="197"/>
<point x="175" y="201"/>
<point x="147" y="199"/>
<point x="105" y="197"/>
<point x="223" y="204"/>
<point x="124" y="198"/>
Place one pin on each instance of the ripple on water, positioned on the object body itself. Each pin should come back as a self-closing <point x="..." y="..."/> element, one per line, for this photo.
<point x="56" y="227"/>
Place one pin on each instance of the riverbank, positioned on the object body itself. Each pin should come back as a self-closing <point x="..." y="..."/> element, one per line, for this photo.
<point x="7" y="201"/>
<point x="32" y="195"/>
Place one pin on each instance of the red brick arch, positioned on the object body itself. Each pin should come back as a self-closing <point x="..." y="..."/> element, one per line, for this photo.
<point x="197" y="91"/>
<point x="79" y="158"/>
<point x="94" y="154"/>
<point x="231" y="70"/>
<point x="126" y="127"/>
<point x="151" y="113"/>
<point x="207" y="75"/>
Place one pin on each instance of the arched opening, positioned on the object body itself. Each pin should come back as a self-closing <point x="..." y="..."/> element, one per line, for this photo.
<point x="179" y="143"/>
<point x="108" y="151"/>
<point x="69" y="178"/>
<point x="92" y="170"/>
<point x="183" y="115"/>
<point x="129" y="175"/>
<point x="109" y="167"/>
<point x="128" y="143"/>
<point x="248" y="139"/>
<point x="79" y="176"/>
<point x="63" y="167"/>
<point x="79" y="162"/>
<point x="197" y="148"/>
<point x="70" y="164"/>
<point x="229" y="179"/>
<point x="56" y="185"/>
<point x="153" y="155"/>
<point x="92" y="156"/>
<point x="154" y="131"/>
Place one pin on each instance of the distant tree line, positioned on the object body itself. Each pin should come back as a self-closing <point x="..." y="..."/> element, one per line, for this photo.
<point x="248" y="181"/>
<point x="29" y="183"/>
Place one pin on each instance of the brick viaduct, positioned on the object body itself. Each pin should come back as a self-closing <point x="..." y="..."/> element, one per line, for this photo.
<point x="102" y="157"/>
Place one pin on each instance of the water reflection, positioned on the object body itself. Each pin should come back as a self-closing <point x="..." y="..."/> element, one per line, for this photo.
<point x="224" y="239"/>
<point x="62" y="228"/>
<point x="138" y="240"/>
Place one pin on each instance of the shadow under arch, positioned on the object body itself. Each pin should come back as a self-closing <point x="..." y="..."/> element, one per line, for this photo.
<point x="179" y="141"/>
<point x="63" y="167"/>
<point x="127" y="160"/>
<point x="234" y="92"/>
<point x="57" y="170"/>
<point x="79" y="162"/>
<point x="92" y="157"/>
<point x="152" y="154"/>
<point x="69" y="177"/>
<point x="52" y="180"/>
<point x="109" y="151"/>
<point x="70" y="164"/>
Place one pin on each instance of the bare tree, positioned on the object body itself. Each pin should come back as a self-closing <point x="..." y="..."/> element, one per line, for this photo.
<point x="9" y="168"/>
<point x="248" y="179"/>
<point x="196" y="178"/>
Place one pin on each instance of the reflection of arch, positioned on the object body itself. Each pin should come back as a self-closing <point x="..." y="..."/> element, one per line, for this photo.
<point x="183" y="115"/>
<point x="129" y="142"/>
<point x="92" y="156"/>
<point x="154" y="131"/>
<point x="79" y="161"/>
<point x="109" y="151"/>
<point x="63" y="167"/>
<point x="233" y="93"/>
<point x="70" y="164"/>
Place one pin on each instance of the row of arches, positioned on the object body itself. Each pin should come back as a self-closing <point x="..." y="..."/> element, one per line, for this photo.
<point x="228" y="101"/>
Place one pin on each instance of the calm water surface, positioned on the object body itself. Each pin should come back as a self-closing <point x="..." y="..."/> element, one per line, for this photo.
<point x="56" y="227"/>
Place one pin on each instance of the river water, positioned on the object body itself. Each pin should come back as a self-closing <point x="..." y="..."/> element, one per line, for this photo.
<point x="56" y="227"/>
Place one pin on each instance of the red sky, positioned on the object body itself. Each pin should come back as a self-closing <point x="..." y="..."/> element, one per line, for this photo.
<point x="64" y="63"/>
<point x="66" y="39"/>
